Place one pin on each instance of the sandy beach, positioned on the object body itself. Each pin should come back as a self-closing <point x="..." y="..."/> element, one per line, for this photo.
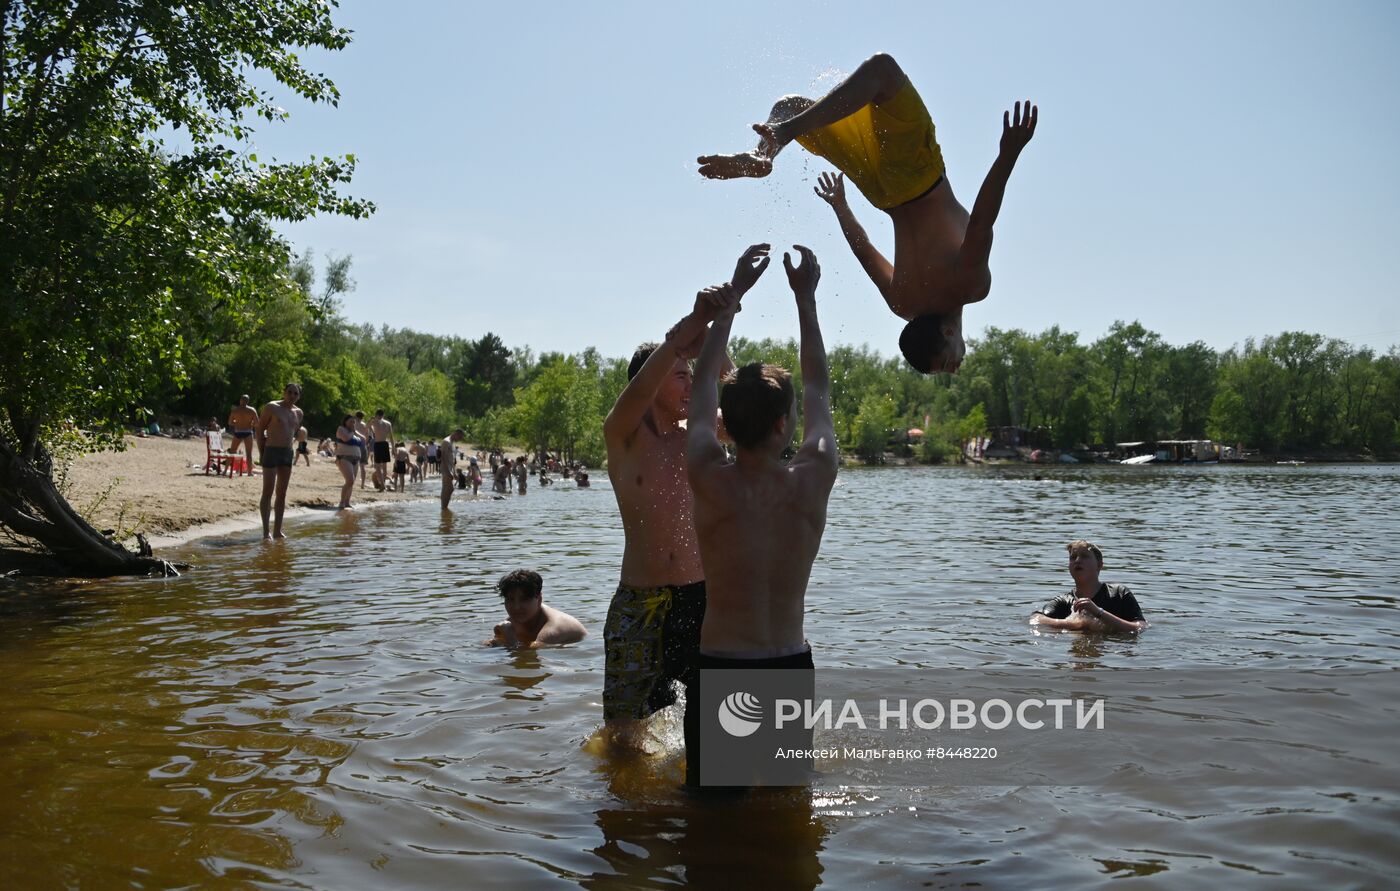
<point x="158" y="487"/>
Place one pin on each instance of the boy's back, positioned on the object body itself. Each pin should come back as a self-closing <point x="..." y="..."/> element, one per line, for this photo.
<point x="759" y="520"/>
<point x="759" y="531"/>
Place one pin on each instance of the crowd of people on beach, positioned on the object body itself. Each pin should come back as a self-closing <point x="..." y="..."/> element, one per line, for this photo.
<point x="369" y="450"/>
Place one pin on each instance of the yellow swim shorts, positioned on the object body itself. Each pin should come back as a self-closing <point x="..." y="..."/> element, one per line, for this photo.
<point x="888" y="150"/>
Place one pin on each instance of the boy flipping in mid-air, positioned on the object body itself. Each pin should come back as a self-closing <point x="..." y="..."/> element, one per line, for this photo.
<point x="875" y="129"/>
<point x="759" y="519"/>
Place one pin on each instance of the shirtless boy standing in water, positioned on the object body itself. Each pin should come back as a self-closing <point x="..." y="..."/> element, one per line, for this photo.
<point x="759" y="519"/>
<point x="242" y="419"/>
<point x="875" y="129"/>
<point x="653" y="624"/>
<point x="276" y="429"/>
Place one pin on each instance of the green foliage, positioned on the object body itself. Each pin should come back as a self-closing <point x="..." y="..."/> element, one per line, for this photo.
<point x="874" y="419"/>
<point x="135" y="226"/>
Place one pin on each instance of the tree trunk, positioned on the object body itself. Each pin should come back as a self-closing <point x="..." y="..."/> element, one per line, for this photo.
<point x="32" y="507"/>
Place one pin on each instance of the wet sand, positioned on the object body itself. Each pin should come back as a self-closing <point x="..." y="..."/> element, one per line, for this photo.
<point x="158" y="487"/>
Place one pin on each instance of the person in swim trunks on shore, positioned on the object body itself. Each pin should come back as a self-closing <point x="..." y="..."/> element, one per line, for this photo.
<point x="366" y="438"/>
<point x="653" y="625"/>
<point x="303" y="451"/>
<point x="401" y="463"/>
<point x="759" y="519"/>
<point x="875" y="129"/>
<point x="382" y="434"/>
<point x="242" y="420"/>
<point x="276" y="431"/>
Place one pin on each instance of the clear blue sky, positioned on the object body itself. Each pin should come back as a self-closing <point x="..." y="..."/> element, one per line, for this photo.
<point x="1214" y="170"/>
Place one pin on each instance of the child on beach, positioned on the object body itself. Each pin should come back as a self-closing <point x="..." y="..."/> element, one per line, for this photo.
<point x="876" y="130"/>
<point x="402" y="460"/>
<point x="530" y="624"/>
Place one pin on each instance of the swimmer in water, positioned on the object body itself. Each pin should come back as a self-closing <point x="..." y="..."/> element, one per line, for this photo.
<point x="531" y="624"/>
<point x="1092" y="605"/>
<point x="875" y="129"/>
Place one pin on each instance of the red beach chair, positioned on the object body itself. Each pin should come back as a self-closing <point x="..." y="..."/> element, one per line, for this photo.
<point x="214" y="455"/>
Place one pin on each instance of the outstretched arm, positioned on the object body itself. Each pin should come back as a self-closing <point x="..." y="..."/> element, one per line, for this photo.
<point x="682" y="341"/>
<point x="702" y="447"/>
<point x="832" y="190"/>
<point x="1015" y="134"/>
<point x="818" y="431"/>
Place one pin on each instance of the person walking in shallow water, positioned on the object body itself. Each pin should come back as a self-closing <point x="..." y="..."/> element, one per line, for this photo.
<point x="874" y="127"/>
<point x="275" y="432"/>
<point x="447" y="463"/>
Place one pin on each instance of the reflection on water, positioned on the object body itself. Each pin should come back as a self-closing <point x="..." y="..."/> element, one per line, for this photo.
<point x="320" y="712"/>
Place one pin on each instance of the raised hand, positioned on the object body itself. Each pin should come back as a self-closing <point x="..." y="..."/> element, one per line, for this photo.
<point x="735" y="166"/>
<point x="1017" y="129"/>
<point x="831" y="189"/>
<point x="716" y="300"/>
<point x="803" y="279"/>
<point x="750" y="266"/>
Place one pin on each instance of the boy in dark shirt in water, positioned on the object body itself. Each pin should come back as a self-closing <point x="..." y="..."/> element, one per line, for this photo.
<point x="1092" y="605"/>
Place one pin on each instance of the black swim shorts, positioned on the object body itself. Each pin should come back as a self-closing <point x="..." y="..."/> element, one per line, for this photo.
<point x="277" y="456"/>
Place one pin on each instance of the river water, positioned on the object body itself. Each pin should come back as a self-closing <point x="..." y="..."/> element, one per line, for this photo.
<point x="320" y="713"/>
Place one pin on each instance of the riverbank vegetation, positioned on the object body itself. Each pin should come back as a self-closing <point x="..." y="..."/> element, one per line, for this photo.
<point x="1292" y="391"/>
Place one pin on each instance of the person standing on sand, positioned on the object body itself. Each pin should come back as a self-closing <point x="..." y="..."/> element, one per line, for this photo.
<point x="447" y="462"/>
<point x="382" y="434"/>
<point x="348" y="448"/>
<point x="277" y="427"/>
<point x="653" y="625"/>
<point x="362" y="431"/>
<point x="402" y="462"/>
<point x="242" y="420"/>
<point x="874" y="127"/>
<point x="759" y="519"/>
<point x="303" y="451"/>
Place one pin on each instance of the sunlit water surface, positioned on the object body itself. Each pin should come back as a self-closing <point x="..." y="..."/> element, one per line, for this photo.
<point x="321" y="712"/>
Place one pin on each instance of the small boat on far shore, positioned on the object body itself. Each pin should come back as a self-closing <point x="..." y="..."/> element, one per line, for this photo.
<point x="1292" y="463"/>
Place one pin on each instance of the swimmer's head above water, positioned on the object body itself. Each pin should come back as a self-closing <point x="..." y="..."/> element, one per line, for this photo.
<point x="523" y="593"/>
<point x="758" y="406"/>
<point x="932" y="344"/>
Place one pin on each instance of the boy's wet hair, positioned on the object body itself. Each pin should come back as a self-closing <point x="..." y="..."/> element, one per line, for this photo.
<point x="526" y="580"/>
<point x="1080" y="544"/>
<point x="921" y="341"/>
<point x="639" y="358"/>
<point x="752" y="399"/>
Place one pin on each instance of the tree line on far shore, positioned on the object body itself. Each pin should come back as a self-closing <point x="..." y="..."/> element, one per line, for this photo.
<point x="1290" y="392"/>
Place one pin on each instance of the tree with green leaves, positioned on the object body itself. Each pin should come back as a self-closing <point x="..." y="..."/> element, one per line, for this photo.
<point x="134" y="220"/>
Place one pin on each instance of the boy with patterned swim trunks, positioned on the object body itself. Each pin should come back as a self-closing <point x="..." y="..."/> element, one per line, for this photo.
<point x="653" y="624"/>
<point x="876" y="130"/>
